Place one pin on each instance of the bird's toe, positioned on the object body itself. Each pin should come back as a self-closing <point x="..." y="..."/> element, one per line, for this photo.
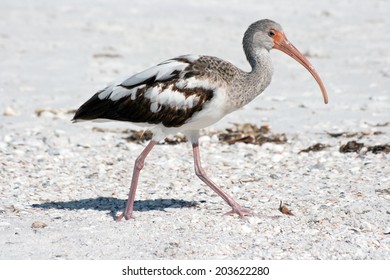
<point x="127" y="216"/>
<point x="242" y="212"/>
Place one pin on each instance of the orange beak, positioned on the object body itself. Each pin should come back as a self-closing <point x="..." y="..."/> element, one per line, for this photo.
<point x="282" y="44"/>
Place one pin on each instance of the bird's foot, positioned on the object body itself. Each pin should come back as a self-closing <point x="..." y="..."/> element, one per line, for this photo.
<point x="242" y="212"/>
<point x="126" y="215"/>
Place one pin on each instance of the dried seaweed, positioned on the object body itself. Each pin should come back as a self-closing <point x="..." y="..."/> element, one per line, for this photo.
<point x="252" y="134"/>
<point x="353" y="146"/>
<point x="350" y="147"/>
<point x="379" y="149"/>
<point x="284" y="209"/>
<point x="176" y="139"/>
<point x="314" y="148"/>
<point x="139" y="136"/>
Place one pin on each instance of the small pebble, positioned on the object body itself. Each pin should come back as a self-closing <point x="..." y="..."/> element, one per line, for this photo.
<point x="38" y="224"/>
<point x="9" y="112"/>
<point x="53" y="152"/>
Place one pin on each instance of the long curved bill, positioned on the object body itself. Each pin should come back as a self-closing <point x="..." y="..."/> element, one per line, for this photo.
<point x="282" y="44"/>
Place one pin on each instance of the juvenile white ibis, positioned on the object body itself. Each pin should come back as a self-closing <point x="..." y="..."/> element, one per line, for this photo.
<point x="191" y="92"/>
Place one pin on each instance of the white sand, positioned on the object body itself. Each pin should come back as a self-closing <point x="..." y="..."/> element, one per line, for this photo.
<point x="74" y="179"/>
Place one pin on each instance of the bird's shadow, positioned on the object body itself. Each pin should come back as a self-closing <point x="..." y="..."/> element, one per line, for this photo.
<point x="113" y="205"/>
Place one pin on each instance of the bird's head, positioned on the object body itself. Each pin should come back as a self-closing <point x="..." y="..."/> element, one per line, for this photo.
<point x="269" y="35"/>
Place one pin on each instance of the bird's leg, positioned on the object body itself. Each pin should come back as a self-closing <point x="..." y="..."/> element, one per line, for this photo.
<point x="139" y="164"/>
<point x="199" y="171"/>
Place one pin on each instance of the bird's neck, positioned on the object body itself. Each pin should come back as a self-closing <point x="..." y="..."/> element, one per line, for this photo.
<point x="260" y="76"/>
<point x="260" y="62"/>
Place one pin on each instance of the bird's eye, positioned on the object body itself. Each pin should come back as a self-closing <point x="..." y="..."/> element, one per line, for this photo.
<point x="271" y="33"/>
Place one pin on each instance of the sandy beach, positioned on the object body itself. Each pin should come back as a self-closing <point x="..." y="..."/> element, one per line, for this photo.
<point x="62" y="184"/>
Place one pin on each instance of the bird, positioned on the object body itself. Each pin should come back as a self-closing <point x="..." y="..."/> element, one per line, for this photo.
<point x="191" y="92"/>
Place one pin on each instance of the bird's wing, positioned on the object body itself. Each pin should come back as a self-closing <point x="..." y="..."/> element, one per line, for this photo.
<point x="168" y="93"/>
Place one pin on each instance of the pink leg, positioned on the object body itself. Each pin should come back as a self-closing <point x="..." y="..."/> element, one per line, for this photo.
<point x="139" y="164"/>
<point x="199" y="171"/>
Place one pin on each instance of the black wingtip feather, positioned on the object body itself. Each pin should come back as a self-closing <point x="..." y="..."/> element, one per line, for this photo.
<point x="92" y="109"/>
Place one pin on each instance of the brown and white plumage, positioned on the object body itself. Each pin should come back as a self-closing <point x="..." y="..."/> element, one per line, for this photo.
<point x="191" y="92"/>
<point x="168" y="94"/>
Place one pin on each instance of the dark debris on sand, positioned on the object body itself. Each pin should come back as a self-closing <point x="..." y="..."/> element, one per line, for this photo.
<point x="246" y="133"/>
<point x="353" y="146"/>
<point x="250" y="133"/>
<point x="257" y="135"/>
<point x="314" y="148"/>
